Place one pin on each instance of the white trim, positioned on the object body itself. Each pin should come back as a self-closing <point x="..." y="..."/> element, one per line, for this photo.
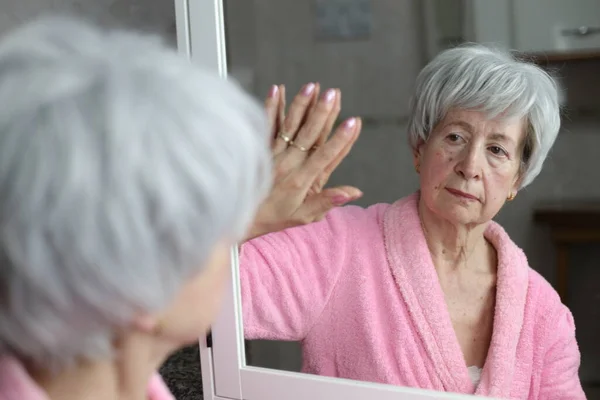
<point x="228" y="354"/>
<point x="269" y="384"/>
<point x="204" y="28"/>
<point x="182" y="27"/>
<point x="207" y="34"/>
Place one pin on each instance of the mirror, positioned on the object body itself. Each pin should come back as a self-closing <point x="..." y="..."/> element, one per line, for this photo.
<point x="373" y="51"/>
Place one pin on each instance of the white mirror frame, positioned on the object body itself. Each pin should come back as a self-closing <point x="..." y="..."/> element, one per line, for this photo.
<point x="225" y="375"/>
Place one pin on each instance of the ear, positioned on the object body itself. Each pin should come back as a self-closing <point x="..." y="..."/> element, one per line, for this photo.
<point x="517" y="181"/>
<point x="417" y="153"/>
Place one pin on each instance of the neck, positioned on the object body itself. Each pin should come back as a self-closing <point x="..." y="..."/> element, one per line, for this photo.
<point x="125" y="377"/>
<point x="452" y="246"/>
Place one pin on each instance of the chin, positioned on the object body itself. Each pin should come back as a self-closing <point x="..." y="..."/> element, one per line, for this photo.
<point x="458" y="214"/>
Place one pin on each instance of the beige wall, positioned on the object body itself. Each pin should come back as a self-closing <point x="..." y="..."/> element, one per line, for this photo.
<point x="375" y="75"/>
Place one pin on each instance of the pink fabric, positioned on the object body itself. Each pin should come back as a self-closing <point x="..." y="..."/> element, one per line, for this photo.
<point x="16" y="384"/>
<point x="360" y="291"/>
<point x="157" y="390"/>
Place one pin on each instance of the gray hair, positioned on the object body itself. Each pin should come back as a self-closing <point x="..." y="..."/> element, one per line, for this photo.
<point x="495" y="82"/>
<point x="121" y="166"/>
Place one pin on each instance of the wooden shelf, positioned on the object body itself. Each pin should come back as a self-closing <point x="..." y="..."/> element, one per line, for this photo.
<point x="582" y="215"/>
<point x="558" y="57"/>
<point x="570" y="222"/>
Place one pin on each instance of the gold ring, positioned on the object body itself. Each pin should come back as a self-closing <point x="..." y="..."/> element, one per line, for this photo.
<point x="285" y="138"/>
<point x="292" y="143"/>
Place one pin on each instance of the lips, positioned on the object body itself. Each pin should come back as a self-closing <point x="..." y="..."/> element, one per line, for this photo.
<point x="461" y="194"/>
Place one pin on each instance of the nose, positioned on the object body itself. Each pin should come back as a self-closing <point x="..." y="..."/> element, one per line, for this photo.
<point x="469" y="163"/>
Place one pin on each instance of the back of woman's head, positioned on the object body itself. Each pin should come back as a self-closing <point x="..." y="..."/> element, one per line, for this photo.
<point x="121" y="166"/>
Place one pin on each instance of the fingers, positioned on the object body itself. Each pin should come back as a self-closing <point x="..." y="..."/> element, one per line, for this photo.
<point x="272" y="104"/>
<point x="337" y="106"/>
<point x="317" y="206"/>
<point x="315" y="123"/>
<point x="324" y="176"/>
<point x="314" y="102"/>
<point x="281" y="110"/>
<point x="342" y="154"/>
<point x="295" y="116"/>
<point x="298" y="108"/>
<point x="331" y="152"/>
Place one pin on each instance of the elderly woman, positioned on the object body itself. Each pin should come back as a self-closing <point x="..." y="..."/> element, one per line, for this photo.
<point x="427" y="292"/>
<point x="126" y="173"/>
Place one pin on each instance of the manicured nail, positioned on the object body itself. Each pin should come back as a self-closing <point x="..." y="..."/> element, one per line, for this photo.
<point x="329" y="95"/>
<point x="340" y="199"/>
<point x="308" y="89"/>
<point x="349" y="124"/>
<point x="273" y="91"/>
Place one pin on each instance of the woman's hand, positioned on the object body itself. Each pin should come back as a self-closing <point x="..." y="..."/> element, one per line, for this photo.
<point x="304" y="157"/>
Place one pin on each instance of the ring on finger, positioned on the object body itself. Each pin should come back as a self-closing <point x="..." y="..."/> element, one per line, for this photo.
<point x="299" y="147"/>
<point x="285" y="137"/>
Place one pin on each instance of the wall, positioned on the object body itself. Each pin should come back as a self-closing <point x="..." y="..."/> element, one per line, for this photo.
<point x="285" y="51"/>
<point x="156" y="16"/>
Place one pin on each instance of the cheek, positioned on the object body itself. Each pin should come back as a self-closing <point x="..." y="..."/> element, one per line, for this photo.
<point x="211" y="290"/>
<point x="199" y="302"/>
<point x="436" y="168"/>
<point x="499" y="185"/>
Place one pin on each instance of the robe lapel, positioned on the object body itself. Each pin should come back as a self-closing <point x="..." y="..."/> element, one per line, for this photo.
<point x="511" y="295"/>
<point x="415" y="275"/>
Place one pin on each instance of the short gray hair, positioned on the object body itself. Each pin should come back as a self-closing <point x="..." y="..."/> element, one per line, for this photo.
<point x="121" y="166"/>
<point x="493" y="81"/>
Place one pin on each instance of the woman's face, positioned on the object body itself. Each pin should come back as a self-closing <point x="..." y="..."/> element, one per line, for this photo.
<point x="469" y="166"/>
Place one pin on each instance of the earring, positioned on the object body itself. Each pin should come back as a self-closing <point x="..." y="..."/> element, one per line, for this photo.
<point x="511" y="196"/>
<point x="418" y="168"/>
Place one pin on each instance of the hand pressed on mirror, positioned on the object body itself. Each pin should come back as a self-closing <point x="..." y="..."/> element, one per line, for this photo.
<point x="428" y="290"/>
<point x="304" y="157"/>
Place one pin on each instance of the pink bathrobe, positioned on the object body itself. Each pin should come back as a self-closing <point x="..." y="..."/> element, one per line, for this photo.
<point x="16" y="384"/>
<point x="360" y="291"/>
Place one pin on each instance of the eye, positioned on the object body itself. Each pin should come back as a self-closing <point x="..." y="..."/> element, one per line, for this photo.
<point x="453" y="137"/>
<point x="498" y="151"/>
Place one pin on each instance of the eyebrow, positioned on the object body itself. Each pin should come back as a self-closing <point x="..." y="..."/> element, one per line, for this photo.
<point x="461" y="123"/>
<point x="501" y="137"/>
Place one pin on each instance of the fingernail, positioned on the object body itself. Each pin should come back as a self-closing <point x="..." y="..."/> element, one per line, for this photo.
<point x="329" y="95"/>
<point x="308" y="89"/>
<point x="350" y="123"/>
<point x="340" y="199"/>
<point x="273" y="91"/>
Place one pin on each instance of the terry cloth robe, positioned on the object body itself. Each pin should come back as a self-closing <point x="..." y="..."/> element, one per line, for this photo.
<point x="360" y="292"/>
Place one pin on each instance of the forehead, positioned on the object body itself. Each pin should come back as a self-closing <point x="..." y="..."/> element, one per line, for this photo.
<point x="478" y="123"/>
